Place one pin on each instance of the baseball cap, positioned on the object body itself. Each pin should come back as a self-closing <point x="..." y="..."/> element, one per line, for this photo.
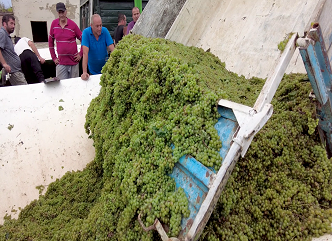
<point x="60" y="7"/>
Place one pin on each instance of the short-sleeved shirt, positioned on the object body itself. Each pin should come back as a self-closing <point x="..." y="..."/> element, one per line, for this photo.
<point x="98" y="54"/>
<point x="22" y="45"/>
<point x="118" y="33"/>
<point x="65" y="41"/>
<point x="8" y="53"/>
<point x="130" y="26"/>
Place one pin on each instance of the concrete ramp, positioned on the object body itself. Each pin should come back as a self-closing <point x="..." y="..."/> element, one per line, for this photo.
<point x="243" y="33"/>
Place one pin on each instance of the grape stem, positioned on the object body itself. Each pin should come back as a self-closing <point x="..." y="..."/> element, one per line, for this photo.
<point x="147" y="229"/>
<point x="205" y="144"/>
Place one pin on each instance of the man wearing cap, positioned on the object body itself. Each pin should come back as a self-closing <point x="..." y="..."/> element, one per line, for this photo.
<point x="65" y="32"/>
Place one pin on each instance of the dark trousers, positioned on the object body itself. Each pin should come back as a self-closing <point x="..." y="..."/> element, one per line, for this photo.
<point x="31" y="67"/>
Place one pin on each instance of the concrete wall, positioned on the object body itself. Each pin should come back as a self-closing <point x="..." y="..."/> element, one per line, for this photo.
<point x="40" y="10"/>
<point x="43" y="143"/>
<point x="243" y="33"/>
<point x="158" y="17"/>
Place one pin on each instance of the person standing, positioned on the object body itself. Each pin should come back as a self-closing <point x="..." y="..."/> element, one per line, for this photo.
<point x="9" y="59"/>
<point x="121" y="29"/>
<point x="95" y="41"/>
<point x="30" y="58"/>
<point x="135" y="14"/>
<point x="65" y="32"/>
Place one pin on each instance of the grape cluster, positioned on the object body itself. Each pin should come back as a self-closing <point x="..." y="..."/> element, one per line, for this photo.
<point x="157" y="103"/>
<point x="150" y="112"/>
<point x="282" y="189"/>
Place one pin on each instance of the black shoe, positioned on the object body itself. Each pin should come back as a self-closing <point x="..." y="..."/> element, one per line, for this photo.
<point x="49" y="80"/>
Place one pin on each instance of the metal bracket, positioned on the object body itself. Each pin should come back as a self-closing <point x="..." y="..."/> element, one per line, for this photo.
<point x="156" y="226"/>
<point x="252" y="126"/>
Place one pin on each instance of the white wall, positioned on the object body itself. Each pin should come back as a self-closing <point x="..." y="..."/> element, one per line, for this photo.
<point x="243" y="33"/>
<point x="40" y="10"/>
<point x="44" y="142"/>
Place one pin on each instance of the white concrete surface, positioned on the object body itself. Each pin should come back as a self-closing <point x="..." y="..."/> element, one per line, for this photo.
<point x="40" y="10"/>
<point x="243" y="33"/>
<point x="45" y="52"/>
<point x="326" y="237"/>
<point x="44" y="142"/>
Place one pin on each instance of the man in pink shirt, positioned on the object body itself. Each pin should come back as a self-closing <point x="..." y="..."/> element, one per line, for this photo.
<point x="65" y="32"/>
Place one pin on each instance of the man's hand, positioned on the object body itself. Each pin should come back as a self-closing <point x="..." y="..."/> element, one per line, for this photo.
<point x="56" y="61"/>
<point x="7" y="68"/>
<point x="77" y="57"/>
<point x="85" y="76"/>
<point x="42" y="60"/>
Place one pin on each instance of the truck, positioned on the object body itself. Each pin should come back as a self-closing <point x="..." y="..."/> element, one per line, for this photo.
<point x="108" y="10"/>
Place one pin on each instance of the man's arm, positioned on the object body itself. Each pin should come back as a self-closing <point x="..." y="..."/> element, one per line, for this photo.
<point x="2" y="46"/>
<point x="51" y="46"/>
<point x="110" y="47"/>
<point x="78" y="33"/>
<point x="3" y="62"/>
<point x="85" y="74"/>
<point x="35" y="50"/>
<point x="109" y="41"/>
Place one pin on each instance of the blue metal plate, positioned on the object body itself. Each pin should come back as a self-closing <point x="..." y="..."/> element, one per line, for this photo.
<point x="194" y="177"/>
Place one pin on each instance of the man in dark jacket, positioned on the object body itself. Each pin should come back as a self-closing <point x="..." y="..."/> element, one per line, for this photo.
<point x="121" y="29"/>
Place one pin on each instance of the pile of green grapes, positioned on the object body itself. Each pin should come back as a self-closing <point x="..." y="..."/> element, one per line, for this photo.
<point x="157" y="103"/>
<point x="282" y="188"/>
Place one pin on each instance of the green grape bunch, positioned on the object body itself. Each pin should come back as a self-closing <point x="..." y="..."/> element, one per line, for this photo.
<point x="151" y="101"/>
<point x="157" y="103"/>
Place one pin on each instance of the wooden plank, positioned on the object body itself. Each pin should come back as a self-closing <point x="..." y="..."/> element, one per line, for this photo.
<point x="110" y="19"/>
<point x="114" y="13"/>
<point x="109" y="11"/>
<point x="116" y="5"/>
<point x="112" y="9"/>
<point x="110" y="27"/>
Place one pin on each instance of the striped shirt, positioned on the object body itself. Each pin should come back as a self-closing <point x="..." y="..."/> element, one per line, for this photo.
<point x="65" y="39"/>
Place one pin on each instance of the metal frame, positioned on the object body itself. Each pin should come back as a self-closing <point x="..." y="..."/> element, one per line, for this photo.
<point x="317" y="64"/>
